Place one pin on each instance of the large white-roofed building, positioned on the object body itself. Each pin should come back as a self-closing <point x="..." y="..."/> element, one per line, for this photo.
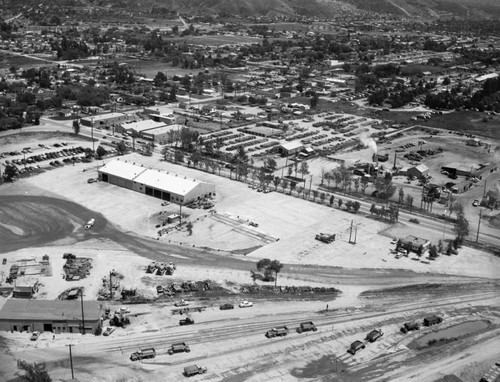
<point x="138" y="127"/>
<point x="159" y="184"/>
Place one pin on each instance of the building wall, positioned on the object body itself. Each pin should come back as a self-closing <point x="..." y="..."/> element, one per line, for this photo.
<point x="199" y="192"/>
<point x="62" y="326"/>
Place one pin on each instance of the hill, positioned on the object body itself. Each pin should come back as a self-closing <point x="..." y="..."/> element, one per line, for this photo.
<point x="482" y="9"/>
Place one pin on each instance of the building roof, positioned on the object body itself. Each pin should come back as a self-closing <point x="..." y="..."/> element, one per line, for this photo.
<point x="140" y="126"/>
<point x="415" y="241"/>
<point x="22" y="309"/>
<point x="161" y="129"/>
<point x="293" y="145"/>
<point x="103" y="117"/>
<point x="166" y="181"/>
<point x="159" y="110"/>
<point x="422" y="168"/>
<point x="122" y="169"/>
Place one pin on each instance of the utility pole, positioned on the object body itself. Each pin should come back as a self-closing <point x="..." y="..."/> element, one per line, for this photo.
<point x="479" y="224"/>
<point x="350" y="232"/>
<point x="355" y="234"/>
<point x="92" y="133"/>
<point x="83" y="316"/>
<point x="484" y="192"/>
<point x="180" y="213"/>
<point x="110" y="285"/>
<point x="71" y="361"/>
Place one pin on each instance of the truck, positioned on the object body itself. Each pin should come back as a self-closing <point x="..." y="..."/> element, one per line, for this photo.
<point x="179" y="347"/>
<point x="186" y="321"/>
<point x="143" y="354"/>
<point x="409" y="326"/>
<point x="355" y="347"/>
<point x="194" y="370"/>
<point x="90" y="224"/>
<point x="279" y="331"/>
<point x="306" y="327"/>
<point x="374" y="335"/>
<point x="432" y="320"/>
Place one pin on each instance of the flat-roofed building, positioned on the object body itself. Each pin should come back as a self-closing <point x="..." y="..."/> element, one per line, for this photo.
<point x="139" y="127"/>
<point x="290" y="148"/>
<point x="58" y="316"/>
<point x="172" y="187"/>
<point x="160" y="134"/>
<point x="159" y="184"/>
<point x="103" y="120"/>
<point x="120" y="173"/>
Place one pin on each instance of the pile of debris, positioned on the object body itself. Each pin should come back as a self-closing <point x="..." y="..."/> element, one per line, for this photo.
<point x="189" y="286"/>
<point x="161" y="269"/>
<point x="105" y="290"/>
<point x="268" y="289"/>
<point x="76" y="268"/>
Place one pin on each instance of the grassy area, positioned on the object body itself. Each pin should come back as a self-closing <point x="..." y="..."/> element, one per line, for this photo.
<point x="216" y="40"/>
<point x="469" y="122"/>
<point x="7" y="60"/>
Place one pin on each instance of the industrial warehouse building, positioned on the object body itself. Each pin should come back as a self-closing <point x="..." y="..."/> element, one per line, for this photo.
<point x="159" y="184"/>
<point x="103" y="120"/>
<point x="58" y="316"/>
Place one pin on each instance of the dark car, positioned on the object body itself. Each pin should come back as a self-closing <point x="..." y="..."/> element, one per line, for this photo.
<point x="226" y="306"/>
<point x="186" y="321"/>
<point x="4" y="261"/>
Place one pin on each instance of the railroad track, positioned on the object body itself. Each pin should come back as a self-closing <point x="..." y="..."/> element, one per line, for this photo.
<point x="256" y="327"/>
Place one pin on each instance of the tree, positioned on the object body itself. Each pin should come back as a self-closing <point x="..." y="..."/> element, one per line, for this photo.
<point x="339" y="202"/>
<point x="121" y="147"/>
<point x="461" y="227"/>
<point x="315" y="195"/>
<point x="357" y="183"/>
<point x="189" y="227"/>
<point x="356" y="206"/>
<point x="314" y="101"/>
<point x="332" y="199"/>
<point x="304" y="169"/>
<point x="276" y="182"/>
<point x="364" y="184"/>
<point x="322" y="197"/>
<point x="433" y="252"/>
<point x="34" y="372"/>
<point x="268" y="266"/>
<point x="401" y="194"/>
<point x="173" y="94"/>
<point x="271" y="164"/>
<point x="9" y="173"/>
<point x="409" y="201"/>
<point x="293" y="184"/>
<point x="76" y="127"/>
<point x="179" y="156"/>
<point x="101" y="151"/>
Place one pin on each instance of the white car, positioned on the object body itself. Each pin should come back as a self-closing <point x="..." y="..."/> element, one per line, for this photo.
<point x="34" y="336"/>
<point x="246" y="304"/>
<point x="181" y="303"/>
<point x="108" y="330"/>
<point x="122" y="310"/>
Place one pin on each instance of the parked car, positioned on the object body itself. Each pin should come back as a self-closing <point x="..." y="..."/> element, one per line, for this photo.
<point x="279" y="331"/>
<point x="409" y="326"/>
<point x="143" y="354"/>
<point x="34" y="336"/>
<point x="194" y="370"/>
<point x="226" y="306"/>
<point x="159" y="289"/>
<point x="374" y="335"/>
<point x="4" y="261"/>
<point x="179" y="347"/>
<point x="122" y="310"/>
<point x="306" y="327"/>
<point x="475" y="203"/>
<point x="108" y="330"/>
<point x="181" y="303"/>
<point x="355" y="347"/>
<point x="246" y="304"/>
<point x="186" y="321"/>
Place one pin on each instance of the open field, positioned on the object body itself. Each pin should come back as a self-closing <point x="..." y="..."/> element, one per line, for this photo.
<point x="217" y="40"/>
<point x="470" y="122"/>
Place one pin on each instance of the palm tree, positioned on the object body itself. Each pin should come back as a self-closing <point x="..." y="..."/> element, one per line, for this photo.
<point x="315" y="195"/>
<point x="276" y="182"/>
<point x="322" y="196"/>
<point x="356" y="184"/>
<point x="364" y="184"/>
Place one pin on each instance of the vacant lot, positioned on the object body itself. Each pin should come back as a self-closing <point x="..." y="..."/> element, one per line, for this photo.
<point x="471" y="122"/>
